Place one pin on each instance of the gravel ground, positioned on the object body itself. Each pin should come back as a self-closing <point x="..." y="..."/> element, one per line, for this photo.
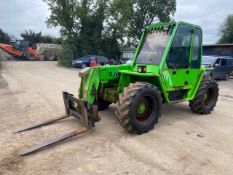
<point x="181" y="143"/>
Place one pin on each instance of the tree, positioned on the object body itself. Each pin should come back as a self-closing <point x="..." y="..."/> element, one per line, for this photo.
<point x="226" y="31"/>
<point x="33" y="38"/>
<point x="90" y="35"/>
<point x="129" y="17"/>
<point x="101" y="26"/>
<point x="50" y="39"/>
<point x="67" y="53"/>
<point x="145" y="12"/>
<point x="4" y="37"/>
<point x="81" y="21"/>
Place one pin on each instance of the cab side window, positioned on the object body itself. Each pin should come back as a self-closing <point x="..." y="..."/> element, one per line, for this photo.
<point x="178" y="57"/>
<point x="196" y="49"/>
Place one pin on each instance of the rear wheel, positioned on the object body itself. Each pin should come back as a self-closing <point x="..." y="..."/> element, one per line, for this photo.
<point x="138" y="107"/>
<point x="206" y="98"/>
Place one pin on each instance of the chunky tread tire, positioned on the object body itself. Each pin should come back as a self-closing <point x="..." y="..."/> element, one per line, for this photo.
<point x="197" y="104"/>
<point x="126" y="104"/>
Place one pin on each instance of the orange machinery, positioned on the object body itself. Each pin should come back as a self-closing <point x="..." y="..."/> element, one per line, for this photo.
<point x="20" y="49"/>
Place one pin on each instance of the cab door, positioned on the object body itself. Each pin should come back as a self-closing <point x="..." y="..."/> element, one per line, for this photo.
<point x="178" y="58"/>
<point x="183" y="62"/>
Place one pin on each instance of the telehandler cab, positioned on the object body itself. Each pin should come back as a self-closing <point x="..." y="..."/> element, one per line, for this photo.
<point x="166" y="69"/>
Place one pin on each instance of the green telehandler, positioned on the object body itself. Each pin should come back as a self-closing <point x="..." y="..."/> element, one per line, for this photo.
<point x="166" y="69"/>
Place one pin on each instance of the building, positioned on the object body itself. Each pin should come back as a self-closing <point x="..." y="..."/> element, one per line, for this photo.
<point x="218" y="49"/>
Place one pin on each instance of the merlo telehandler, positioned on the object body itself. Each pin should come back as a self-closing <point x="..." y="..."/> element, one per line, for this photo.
<point x="166" y="69"/>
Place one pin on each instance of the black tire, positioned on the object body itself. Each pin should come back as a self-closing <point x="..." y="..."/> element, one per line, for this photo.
<point x="102" y="104"/>
<point x="127" y="107"/>
<point x="206" y="98"/>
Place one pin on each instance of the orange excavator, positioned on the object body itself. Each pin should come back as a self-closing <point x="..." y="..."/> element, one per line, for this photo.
<point x="21" y="50"/>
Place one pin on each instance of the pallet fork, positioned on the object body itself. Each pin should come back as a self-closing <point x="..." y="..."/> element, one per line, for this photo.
<point x="88" y="114"/>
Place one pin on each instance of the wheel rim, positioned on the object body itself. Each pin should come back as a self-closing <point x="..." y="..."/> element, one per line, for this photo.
<point x="209" y="97"/>
<point x="146" y="109"/>
<point x="141" y="108"/>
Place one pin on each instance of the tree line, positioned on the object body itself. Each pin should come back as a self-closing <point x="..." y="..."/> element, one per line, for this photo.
<point x="103" y="26"/>
<point x="34" y="38"/>
<point x="31" y="36"/>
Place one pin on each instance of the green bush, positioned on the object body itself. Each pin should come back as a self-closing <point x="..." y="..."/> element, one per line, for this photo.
<point x="67" y="54"/>
<point x="65" y="57"/>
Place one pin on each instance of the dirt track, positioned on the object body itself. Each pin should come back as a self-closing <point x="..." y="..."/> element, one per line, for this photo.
<point x="181" y="143"/>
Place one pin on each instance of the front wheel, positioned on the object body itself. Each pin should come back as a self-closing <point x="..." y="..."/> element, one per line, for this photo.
<point x="206" y="98"/>
<point x="138" y="107"/>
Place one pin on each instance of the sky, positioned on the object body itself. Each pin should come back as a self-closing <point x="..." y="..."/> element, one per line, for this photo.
<point x="16" y="16"/>
<point x="209" y="14"/>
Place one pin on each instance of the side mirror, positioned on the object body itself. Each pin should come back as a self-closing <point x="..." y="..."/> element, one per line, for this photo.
<point x="216" y="65"/>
